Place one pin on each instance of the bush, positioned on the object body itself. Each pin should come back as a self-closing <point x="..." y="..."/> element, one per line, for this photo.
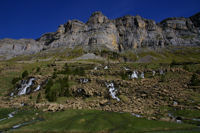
<point x="15" y="80"/>
<point x="173" y="63"/>
<point x="194" y="80"/>
<point x="54" y="75"/>
<point x="52" y="93"/>
<point x="79" y="71"/>
<point x="124" y="75"/>
<point x="57" y="89"/>
<point x="162" y="78"/>
<point x="48" y="86"/>
<point x="38" y="69"/>
<point x="25" y="74"/>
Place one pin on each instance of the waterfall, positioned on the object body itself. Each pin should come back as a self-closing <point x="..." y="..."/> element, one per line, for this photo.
<point x="24" y="86"/>
<point x="112" y="91"/>
<point x="95" y="68"/>
<point x="134" y="75"/>
<point x="127" y="69"/>
<point x="142" y="75"/>
<point x="153" y="73"/>
<point x="106" y="67"/>
<point x="161" y="72"/>
<point x="38" y="88"/>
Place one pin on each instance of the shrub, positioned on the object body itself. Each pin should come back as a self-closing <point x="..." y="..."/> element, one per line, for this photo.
<point x="162" y="78"/>
<point x="124" y="75"/>
<point x="79" y="71"/>
<point x="56" y="89"/>
<point x="48" y="86"/>
<point x="38" y="69"/>
<point x="25" y="74"/>
<point x="173" y="63"/>
<point x="194" y="80"/>
<point x="54" y="75"/>
<point x="52" y="93"/>
<point x="15" y="80"/>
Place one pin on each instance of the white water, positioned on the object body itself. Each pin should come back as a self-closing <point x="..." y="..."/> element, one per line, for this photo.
<point x="106" y="67"/>
<point x="136" y="115"/>
<point x="95" y="68"/>
<point x="12" y="94"/>
<point x="112" y="91"/>
<point x="83" y="80"/>
<point x="127" y="69"/>
<point x="153" y="73"/>
<point x="134" y="75"/>
<point x="161" y="72"/>
<point x="38" y="88"/>
<point x="24" y="86"/>
<point x="10" y="115"/>
<point x="142" y="75"/>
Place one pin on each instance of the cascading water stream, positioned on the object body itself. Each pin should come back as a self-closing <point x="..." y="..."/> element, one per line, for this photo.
<point x="24" y="86"/>
<point x="38" y="88"/>
<point x="112" y="91"/>
<point x="134" y="75"/>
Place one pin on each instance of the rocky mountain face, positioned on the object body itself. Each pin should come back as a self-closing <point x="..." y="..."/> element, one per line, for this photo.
<point x="128" y="32"/>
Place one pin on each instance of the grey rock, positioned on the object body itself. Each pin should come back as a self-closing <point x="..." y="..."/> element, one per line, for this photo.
<point x="99" y="32"/>
<point x="11" y="48"/>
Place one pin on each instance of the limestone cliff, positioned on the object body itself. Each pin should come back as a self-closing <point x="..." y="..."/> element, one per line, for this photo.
<point x="128" y="32"/>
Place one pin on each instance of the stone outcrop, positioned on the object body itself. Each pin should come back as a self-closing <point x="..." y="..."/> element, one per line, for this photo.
<point x="11" y="48"/>
<point x="128" y="32"/>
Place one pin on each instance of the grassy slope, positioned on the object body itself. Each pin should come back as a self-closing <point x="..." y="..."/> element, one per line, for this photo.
<point x="84" y="120"/>
<point x="96" y="121"/>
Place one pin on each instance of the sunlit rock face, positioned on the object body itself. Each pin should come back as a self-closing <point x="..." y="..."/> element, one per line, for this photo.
<point x="128" y="32"/>
<point x="99" y="32"/>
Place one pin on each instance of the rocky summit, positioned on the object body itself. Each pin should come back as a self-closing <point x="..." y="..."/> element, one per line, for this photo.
<point x="99" y="32"/>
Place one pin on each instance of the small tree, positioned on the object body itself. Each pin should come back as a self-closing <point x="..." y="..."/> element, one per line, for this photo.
<point x="52" y="93"/>
<point x="173" y="63"/>
<point x="162" y="78"/>
<point x="38" y="69"/>
<point x="25" y="74"/>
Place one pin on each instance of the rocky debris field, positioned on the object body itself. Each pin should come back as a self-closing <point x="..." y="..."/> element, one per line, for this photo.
<point x="152" y="93"/>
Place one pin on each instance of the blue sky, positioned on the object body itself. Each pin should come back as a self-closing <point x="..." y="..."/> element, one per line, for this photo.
<point x="32" y="18"/>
